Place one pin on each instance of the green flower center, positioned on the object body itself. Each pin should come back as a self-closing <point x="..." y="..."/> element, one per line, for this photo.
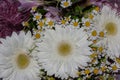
<point x="23" y="61"/>
<point x="111" y="29"/>
<point x="64" y="49"/>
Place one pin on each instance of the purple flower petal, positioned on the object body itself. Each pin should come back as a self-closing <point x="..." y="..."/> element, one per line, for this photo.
<point x="10" y="17"/>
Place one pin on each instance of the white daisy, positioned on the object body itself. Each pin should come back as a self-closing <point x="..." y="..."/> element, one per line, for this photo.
<point x="109" y="21"/>
<point x="37" y="16"/>
<point x="16" y="62"/>
<point x="66" y="3"/>
<point x="87" y="23"/>
<point x="63" y="50"/>
<point x="75" y="23"/>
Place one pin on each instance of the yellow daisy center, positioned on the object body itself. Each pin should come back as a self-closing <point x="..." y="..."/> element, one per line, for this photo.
<point x="37" y="17"/>
<point x="75" y="24"/>
<point x="96" y="71"/>
<point x="101" y="34"/>
<point x="97" y="9"/>
<point x="94" y="33"/>
<point x="111" y="29"/>
<point x="103" y="68"/>
<point x="37" y="35"/>
<point x="63" y="21"/>
<point x="23" y="61"/>
<point x="87" y="71"/>
<point x="91" y="16"/>
<point x="66" y="4"/>
<point x="93" y="55"/>
<point x="64" y="49"/>
<point x="118" y="60"/>
<point x="87" y="23"/>
<point x="41" y="23"/>
<point x="50" y="23"/>
<point x="100" y="49"/>
<point x="114" y="67"/>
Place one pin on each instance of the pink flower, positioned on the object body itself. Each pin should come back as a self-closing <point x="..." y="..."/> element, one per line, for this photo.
<point x="27" y="4"/>
<point x="99" y="3"/>
<point x="10" y="17"/>
<point x="115" y="4"/>
<point x="53" y="13"/>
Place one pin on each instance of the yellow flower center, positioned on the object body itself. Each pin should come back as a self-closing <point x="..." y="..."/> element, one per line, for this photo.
<point x="93" y="55"/>
<point x="63" y="21"/>
<point x="66" y="4"/>
<point x="41" y="23"/>
<point x="91" y="16"/>
<point x="94" y="33"/>
<point x="37" y="17"/>
<point x="97" y="9"/>
<point x="100" y="49"/>
<point x="75" y="24"/>
<point x="111" y="29"/>
<point x="37" y="35"/>
<point x="94" y="41"/>
<point x="87" y="71"/>
<point x="50" y="23"/>
<point x="64" y="49"/>
<point x="103" y="68"/>
<point x="114" y="67"/>
<point x="101" y="34"/>
<point x="87" y="23"/>
<point x="96" y="71"/>
<point x="118" y="60"/>
<point x="93" y="61"/>
<point x="23" y="61"/>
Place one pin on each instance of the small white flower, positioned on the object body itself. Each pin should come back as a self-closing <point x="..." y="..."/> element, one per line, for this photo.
<point x="37" y="16"/>
<point x="75" y="23"/>
<point x="16" y="62"/>
<point x="87" y="23"/>
<point x="50" y="23"/>
<point x="66" y="3"/>
<point x="40" y="24"/>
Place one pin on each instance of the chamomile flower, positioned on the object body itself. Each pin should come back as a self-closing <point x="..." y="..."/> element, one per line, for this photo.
<point x="37" y="16"/>
<point x="66" y="3"/>
<point x="40" y="24"/>
<point x="68" y="18"/>
<point x="91" y="16"/>
<point x="50" y="23"/>
<point x="16" y="62"/>
<point x="63" y="22"/>
<point x="87" y="23"/>
<point x="66" y="48"/>
<point x="75" y="23"/>
<point x="108" y="21"/>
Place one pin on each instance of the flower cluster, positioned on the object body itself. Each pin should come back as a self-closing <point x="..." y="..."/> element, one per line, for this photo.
<point x="62" y="40"/>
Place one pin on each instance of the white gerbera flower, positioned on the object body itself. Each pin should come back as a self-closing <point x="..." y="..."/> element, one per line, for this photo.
<point x="63" y="50"/>
<point x="16" y="63"/>
<point x="109" y="21"/>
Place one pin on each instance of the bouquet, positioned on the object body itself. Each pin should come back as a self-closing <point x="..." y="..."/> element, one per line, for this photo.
<point x="59" y="39"/>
